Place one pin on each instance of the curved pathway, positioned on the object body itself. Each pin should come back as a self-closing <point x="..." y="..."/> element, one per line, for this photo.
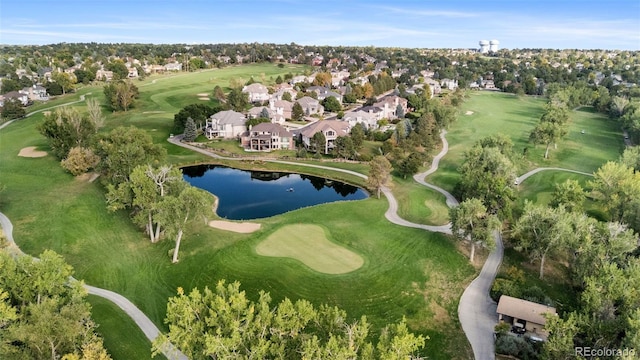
<point x="143" y="322"/>
<point x="524" y="177"/>
<point x="82" y="98"/>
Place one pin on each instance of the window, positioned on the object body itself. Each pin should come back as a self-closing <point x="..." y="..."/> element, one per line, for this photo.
<point x="331" y="133"/>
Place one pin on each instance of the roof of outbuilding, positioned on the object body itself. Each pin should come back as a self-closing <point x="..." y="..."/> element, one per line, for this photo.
<point x="523" y="309"/>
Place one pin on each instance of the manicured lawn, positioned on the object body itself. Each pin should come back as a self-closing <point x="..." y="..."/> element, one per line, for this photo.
<point x="309" y="245"/>
<point x="123" y="339"/>
<point x="419" y="204"/>
<point x="408" y="272"/>
<point x="515" y="117"/>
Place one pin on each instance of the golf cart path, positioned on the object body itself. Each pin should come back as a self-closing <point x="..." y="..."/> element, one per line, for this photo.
<point x="82" y="98"/>
<point x="143" y="322"/>
<point x="524" y="177"/>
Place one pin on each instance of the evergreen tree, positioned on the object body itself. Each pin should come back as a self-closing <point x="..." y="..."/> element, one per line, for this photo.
<point x="190" y="131"/>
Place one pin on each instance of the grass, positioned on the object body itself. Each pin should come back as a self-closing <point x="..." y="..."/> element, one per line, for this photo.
<point x="309" y="245"/>
<point x="408" y="272"/>
<point x="123" y="339"/>
<point x="419" y="204"/>
<point x="515" y="117"/>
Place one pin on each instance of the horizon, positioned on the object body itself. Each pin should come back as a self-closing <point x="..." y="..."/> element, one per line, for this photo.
<point x="461" y="24"/>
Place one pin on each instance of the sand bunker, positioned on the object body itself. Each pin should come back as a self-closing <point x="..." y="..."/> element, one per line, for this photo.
<point x="469" y="113"/>
<point x="152" y="112"/>
<point x="203" y="95"/>
<point x="204" y="98"/>
<point x="31" y="152"/>
<point x="243" y="227"/>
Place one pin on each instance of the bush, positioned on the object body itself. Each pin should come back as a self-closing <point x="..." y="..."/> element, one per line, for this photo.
<point x="519" y="347"/>
<point x="80" y="160"/>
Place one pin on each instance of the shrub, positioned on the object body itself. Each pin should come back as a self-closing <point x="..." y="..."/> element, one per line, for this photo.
<point x="80" y="160"/>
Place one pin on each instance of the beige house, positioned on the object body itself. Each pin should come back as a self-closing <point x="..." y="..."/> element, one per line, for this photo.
<point x="257" y="92"/>
<point x="225" y="124"/>
<point x="525" y="314"/>
<point x="331" y="130"/>
<point x="310" y="105"/>
<point x="267" y="137"/>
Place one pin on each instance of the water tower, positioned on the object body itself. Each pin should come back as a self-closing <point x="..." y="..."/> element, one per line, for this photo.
<point x="484" y="46"/>
<point x="493" y="45"/>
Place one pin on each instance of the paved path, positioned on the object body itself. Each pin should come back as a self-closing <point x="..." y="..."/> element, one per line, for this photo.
<point x="524" y="177"/>
<point x="143" y="322"/>
<point x="82" y="97"/>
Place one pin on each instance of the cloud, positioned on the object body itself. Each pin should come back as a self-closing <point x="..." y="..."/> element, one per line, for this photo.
<point x="428" y="13"/>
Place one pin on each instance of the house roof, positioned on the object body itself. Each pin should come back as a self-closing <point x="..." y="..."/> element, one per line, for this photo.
<point x="340" y="127"/>
<point x="272" y="129"/>
<point x="286" y="105"/>
<point x="372" y="109"/>
<point x="523" y="309"/>
<point x="307" y="101"/>
<point x="257" y="110"/>
<point x="255" y="88"/>
<point x="359" y="114"/>
<point x="14" y="95"/>
<point x="229" y="117"/>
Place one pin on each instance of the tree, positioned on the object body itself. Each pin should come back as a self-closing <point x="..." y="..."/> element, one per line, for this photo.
<point x="618" y="104"/>
<point x="379" y="173"/>
<point x="80" y="160"/>
<point x="344" y="147"/>
<point x="546" y="133"/>
<point x="489" y="175"/>
<point x="238" y="100"/>
<point x="65" y="128"/>
<point x="410" y="165"/>
<point x="471" y="221"/>
<point x="95" y="113"/>
<point x="43" y="315"/>
<point x="198" y="112"/>
<point x="65" y="80"/>
<point x="279" y="80"/>
<point x="121" y="95"/>
<point x="400" y="111"/>
<point x="319" y="143"/>
<point x="542" y="231"/>
<point x="331" y="104"/>
<point x="286" y="96"/>
<point x="190" y="131"/>
<point x="617" y="186"/>
<point x="322" y="79"/>
<point x="206" y="324"/>
<point x="631" y="157"/>
<point x="218" y="94"/>
<point x="119" y="69"/>
<point x="570" y="195"/>
<point x="297" y="113"/>
<point x="255" y="121"/>
<point x="122" y="149"/>
<point x="12" y="109"/>
<point x="358" y="135"/>
<point x="264" y="113"/>
<point x="176" y="212"/>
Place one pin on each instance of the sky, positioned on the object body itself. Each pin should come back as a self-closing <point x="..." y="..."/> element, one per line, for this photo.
<point x="517" y="24"/>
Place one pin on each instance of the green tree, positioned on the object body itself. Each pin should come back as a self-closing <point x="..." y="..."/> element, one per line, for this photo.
<point x="120" y="71"/>
<point x="238" y="100"/>
<point x="12" y="109"/>
<point x="471" y="221"/>
<point x="570" y="195"/>
<point x="331" y="104"/>
<point x="255" y="121"/>
<point x="617" y="187"/>
<point x="297" y="113"/>
<point x="344" y="147"/>
<point x="177" y="212"/>
<point x="206" y="324"/>
<point x="379" y="174"/>
<point x="198" y="112"/>
<point x="122" y="149"/>
<point x="410" y="165"/>
<point x="121" y="95"/>
<point x="65" y="128"/>
<point x="65" y="80"/>
<point x="286" y="96"/>
<point x="218" y="94"/>
<point x="358" y="135"/>
<point x="631" y="157"/>
<point x="546" y="133"/>
<point x="543" y="231"/>
<point x="319" y="143"/>
<point x="190" y="130"/>
<point x="279" y="80"/>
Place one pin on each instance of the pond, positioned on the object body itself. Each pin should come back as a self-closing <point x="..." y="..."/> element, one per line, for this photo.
<point x="245" y="194"/>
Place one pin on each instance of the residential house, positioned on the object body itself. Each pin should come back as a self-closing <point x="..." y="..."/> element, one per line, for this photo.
<point x="369" y="120"/>
<point x="331" y="130"/>
<point x="298" y="79"/>
<point x="339" y="77"/>
<point x="324" y="93"/>
<point x="282" y="108"/>
<point x="257" y="92"/>
<point x="449" y="84"/>
<point x="173" y="66"/>
<point x="36" y="93"/>
<point x="226" y="124"/>
<point x="267" y="137"/>
<point x="22" y="98"/>
<point x="310" y="105"/>
<point x="104" y="75"/>
<point x="374" y="110"/>
<point x="389" y="105"/>
<point x="526" y="315"/>
<point x="133" y="72"/>
<point x="255" y="112"/>
<point x="433" y="85"/>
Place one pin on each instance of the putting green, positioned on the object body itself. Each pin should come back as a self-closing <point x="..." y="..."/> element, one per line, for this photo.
<point x="309" y="245"/>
